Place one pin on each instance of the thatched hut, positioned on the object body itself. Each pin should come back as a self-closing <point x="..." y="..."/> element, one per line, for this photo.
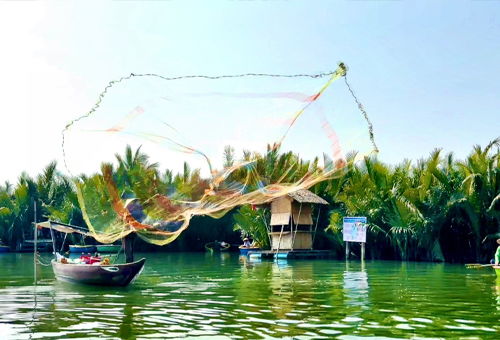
<point x="291" y="226"/>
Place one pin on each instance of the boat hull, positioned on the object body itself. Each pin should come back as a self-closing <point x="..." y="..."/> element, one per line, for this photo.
<point x="108" y="248"/>
<point x="4" y="249"/>
<point x="82" y="249"/>
<point x="109" y="275"/>
<point x="244" y="251"/>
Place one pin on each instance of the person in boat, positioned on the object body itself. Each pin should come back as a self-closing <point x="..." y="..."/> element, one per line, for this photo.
<point x="246" y="242"/>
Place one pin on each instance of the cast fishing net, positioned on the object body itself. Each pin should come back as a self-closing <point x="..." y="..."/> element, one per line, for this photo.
<point x="226" y="141"/>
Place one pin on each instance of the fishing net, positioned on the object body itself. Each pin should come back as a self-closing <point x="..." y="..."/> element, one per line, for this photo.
<point x="227" y="141"/>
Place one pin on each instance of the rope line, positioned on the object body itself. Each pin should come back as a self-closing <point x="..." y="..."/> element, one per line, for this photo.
<point x="112" y="83"/>
<point x="362" y="109"/>
<point x="154" y="75"/>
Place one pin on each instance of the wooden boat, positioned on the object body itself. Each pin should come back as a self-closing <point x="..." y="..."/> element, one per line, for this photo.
<point x="497" y="270"/>
<point x="103" y="275"/>
<point x="108" y="248"/>
<point x="4" y="249"/>
<point x="82" y="249"/>
<point x="244" y="250"/>
<point x="93" y="270"/>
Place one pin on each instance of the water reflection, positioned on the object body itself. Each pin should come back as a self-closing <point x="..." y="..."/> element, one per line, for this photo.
<point x="356" y="285"/>
<point x="291" y="288"/>
<point x="193" y="295"/>
<point x="497" y="291"/>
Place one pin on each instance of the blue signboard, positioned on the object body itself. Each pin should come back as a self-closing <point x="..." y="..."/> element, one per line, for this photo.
<point x="354" y="229"/>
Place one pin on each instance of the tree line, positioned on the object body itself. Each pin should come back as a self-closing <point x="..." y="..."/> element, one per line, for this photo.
<point x="438" y="209"/>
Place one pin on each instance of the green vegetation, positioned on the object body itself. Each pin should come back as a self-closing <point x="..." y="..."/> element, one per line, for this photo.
<point x="51" y="193"/>
<point x="439" y="209"/>
<point x="252" y="222"/>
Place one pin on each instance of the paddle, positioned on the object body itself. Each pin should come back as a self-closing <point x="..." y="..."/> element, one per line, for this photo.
<point x="477" y="265"/>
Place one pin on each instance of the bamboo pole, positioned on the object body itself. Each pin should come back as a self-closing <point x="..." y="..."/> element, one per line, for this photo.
<point x="315" y="228"/>
<point x="53" y="241"/>
<point x="279" y="242"/>
<point x="281" y="234"/>
<point x="36" y="240"/>
<point x="268" y="229"/>
<point x="64" y="241"/>
<point x="296" y="225"/>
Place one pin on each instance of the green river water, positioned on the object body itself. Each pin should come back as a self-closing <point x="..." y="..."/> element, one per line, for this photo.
<point x="223" y="296"/>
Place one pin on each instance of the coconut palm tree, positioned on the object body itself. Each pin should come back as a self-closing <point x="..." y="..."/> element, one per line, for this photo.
<point x="479" y="197"/>
<point x="16" y="212"/>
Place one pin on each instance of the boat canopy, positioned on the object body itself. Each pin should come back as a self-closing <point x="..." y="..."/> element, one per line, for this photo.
<point x="64" y="228"/>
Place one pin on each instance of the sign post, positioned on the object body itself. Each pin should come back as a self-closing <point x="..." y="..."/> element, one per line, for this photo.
<point x="354" y="230"/>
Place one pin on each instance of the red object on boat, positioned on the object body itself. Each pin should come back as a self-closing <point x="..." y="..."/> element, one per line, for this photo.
<point x="90" y="259"/>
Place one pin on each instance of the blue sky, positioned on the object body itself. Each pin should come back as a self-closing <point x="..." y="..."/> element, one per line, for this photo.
<point x="426" y="71"/>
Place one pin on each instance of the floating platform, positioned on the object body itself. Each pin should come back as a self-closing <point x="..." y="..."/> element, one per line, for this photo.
<point x="290" y="254"/>
<point x="28" y="246"/>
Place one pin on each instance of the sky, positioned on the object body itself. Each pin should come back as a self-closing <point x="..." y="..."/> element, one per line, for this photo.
<point x="426" y="71"/>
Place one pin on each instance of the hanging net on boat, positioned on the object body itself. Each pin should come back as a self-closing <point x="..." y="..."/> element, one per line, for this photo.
<point x="226" y="140"/>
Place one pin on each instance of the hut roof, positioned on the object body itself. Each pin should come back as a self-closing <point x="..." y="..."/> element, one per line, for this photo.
<point x="305" y="196"/>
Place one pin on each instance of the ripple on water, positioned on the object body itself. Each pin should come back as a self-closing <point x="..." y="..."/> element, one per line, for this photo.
<point x="399" y="318"/>
<point x="404" y="326"/>
<point x="330" y="331"/>
<point x="301" y="300"/>
<point x="352" y="319"/>
<point x="424" y="320"/>
<point x="87" y="325"/>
